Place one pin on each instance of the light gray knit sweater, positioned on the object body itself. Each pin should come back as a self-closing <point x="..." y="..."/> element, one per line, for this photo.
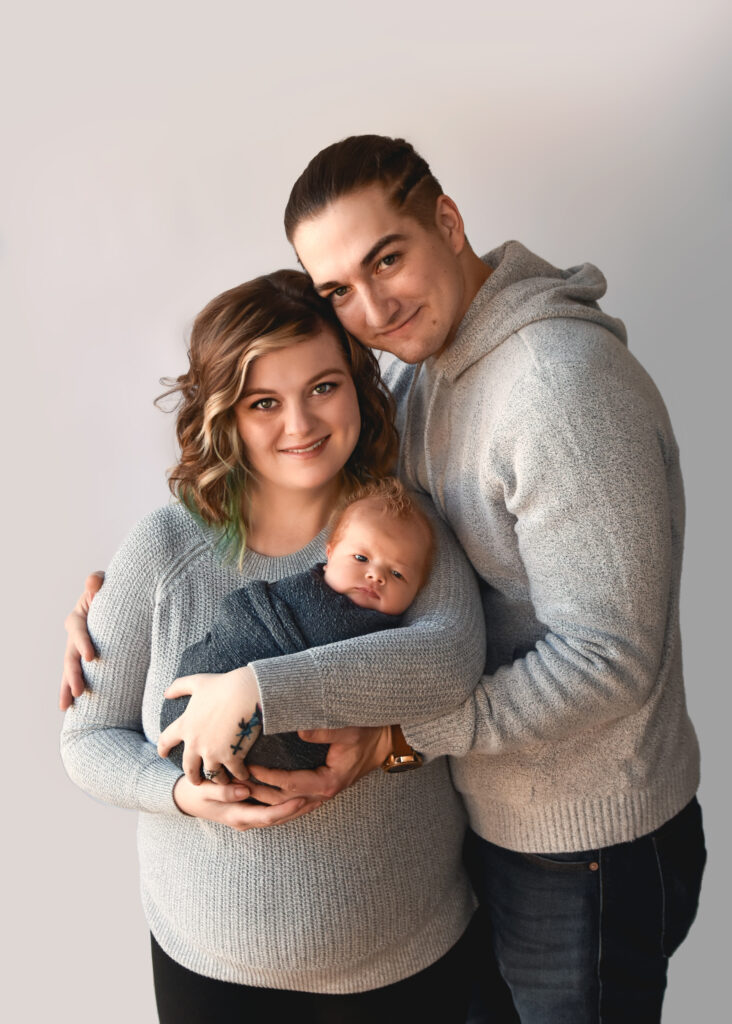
<point x="361" y="893"/>
<point x="548" y="449"/>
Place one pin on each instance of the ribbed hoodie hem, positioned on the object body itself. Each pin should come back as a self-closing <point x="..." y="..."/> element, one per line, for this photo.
<point x="589" y="823"/>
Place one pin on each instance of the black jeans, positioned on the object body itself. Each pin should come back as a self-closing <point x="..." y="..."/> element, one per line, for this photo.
<point x="437" y="995"/>
<point x="584" y="938"/>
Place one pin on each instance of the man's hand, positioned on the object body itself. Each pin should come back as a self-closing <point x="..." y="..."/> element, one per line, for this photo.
<point x="78" y="643"/>
<point x="353" y="752"/>
<point x="224" y="805"/>
<point x="221" y="722"/>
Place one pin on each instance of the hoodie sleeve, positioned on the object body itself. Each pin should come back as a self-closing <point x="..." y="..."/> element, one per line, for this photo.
<point x="431" y="662"/>
<point x="588" y="468"/>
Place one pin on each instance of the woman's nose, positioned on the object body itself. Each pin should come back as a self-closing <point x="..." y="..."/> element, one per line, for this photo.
<point x="298" y="420"/>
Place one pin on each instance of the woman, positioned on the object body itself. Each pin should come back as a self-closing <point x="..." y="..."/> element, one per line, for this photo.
<point x="358" y="908"/>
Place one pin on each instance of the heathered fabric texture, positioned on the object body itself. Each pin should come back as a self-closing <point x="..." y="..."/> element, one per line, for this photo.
<point x="548" y="449"/>
<point x="264" y="620"/>
<point x="319" y="904"/>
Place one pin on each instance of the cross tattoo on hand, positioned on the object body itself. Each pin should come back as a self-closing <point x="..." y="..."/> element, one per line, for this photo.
<point x="246" y="728"/>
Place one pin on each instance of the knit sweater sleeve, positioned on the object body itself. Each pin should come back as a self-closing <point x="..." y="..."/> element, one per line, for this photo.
<point x="428" y="665"/>
<point x="103" y="745"/>
<point x="588" y="468"/>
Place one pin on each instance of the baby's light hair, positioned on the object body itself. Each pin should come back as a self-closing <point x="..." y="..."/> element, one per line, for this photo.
<point x="389" y="496"/>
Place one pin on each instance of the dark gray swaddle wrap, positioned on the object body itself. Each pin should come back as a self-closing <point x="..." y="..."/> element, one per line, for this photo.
<point x="265" y="620"/>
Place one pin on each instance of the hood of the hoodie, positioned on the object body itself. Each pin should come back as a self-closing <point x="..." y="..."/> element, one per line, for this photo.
<point x="522" y="289"/>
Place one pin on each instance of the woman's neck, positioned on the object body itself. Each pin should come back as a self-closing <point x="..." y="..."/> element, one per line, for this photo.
<point x="282" y="522"/>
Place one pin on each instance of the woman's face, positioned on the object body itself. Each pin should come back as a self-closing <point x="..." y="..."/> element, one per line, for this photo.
<point x="298" y="416"/>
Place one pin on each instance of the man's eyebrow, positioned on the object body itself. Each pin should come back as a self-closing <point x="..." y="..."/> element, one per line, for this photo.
<point x="331" y="371"/>
<point x="371" y="255"/>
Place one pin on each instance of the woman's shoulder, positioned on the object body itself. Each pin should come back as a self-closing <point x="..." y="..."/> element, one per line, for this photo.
<point x="162" y="541"/>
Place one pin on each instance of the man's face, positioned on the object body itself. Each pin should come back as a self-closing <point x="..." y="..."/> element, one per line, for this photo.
<point x="395" y="284"/>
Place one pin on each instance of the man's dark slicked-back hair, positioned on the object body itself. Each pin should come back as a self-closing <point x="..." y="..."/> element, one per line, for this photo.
<point x="357" y="162"/>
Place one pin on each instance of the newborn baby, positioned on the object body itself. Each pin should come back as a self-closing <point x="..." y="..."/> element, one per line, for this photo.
<point x="378" y="553"/>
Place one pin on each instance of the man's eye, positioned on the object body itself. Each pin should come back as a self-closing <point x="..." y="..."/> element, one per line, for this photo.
<point x="361" y="558"/>
<point x="390" y="260"/>
<point x="338" y="293"/>
<point x="395" y="572"/>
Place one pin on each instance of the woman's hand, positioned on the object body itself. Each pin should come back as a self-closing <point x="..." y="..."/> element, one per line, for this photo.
<point x="224" y="805"/>
<point x="353" y="753"/>
<point x="221" y="722"/>
<point x="78" y="643"/>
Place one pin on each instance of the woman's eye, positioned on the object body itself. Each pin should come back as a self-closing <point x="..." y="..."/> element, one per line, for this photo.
<point x="264" y="403"/>
<point x="324" y="388"/>
<point x="361" y="558"/>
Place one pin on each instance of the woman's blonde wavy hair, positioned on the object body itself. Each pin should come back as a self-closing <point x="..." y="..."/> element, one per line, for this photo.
<point x="271" y="312"/>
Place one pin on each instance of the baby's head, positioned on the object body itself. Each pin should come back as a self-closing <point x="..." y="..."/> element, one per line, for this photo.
<point x="380" y="548"/>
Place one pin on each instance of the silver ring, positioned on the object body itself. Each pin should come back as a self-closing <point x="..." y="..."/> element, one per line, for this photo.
<point x="209" y="776"/>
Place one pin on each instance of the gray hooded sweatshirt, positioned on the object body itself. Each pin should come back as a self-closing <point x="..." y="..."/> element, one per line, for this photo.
<point x="548" y="450"/>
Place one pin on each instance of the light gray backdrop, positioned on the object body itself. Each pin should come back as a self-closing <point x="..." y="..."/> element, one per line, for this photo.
<point x="148" y="152"/>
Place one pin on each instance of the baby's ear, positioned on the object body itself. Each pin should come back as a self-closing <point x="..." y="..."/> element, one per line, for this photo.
<point x="328" y="549"/>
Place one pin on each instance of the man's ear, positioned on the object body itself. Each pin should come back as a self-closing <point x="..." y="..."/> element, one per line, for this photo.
<point x="449" y="223"/>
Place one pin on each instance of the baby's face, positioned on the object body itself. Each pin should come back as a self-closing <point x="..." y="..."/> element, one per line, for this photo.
<point x="377" y="561"/>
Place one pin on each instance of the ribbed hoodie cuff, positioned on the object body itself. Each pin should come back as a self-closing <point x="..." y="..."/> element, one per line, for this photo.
<point x="291" y="693"/>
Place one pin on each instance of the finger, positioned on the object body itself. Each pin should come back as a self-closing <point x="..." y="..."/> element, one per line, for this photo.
<point x="297" y="783"/>
<point x="226" y="793"/>
<point x="169" y="738"/>
<point x="73" y="676"/>
<point x="65" y="697"/>
<point x="192" y="763"/>
<point x="350" y="734"/>
<point x="78" y="642"/>
<point x="269" y="795"/>
<point x="215" y="773"/>
<point x="245" y="816"/>
<point x="182" y="687"/>
<point x="93" y="583"/>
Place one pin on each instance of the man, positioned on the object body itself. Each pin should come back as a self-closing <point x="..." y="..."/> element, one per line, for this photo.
<point x="549" y="451"/>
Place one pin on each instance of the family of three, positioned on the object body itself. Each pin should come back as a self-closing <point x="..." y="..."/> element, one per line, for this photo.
<point x="497" y="629"/>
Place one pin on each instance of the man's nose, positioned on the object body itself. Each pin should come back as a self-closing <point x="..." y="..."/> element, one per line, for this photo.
<point x="380" y="309"/>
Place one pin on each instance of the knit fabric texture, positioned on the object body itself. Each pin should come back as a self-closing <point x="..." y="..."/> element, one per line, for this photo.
<point x="548" y="449"/>
<point x="264" y="620"/>
<point x="363" y="892"/>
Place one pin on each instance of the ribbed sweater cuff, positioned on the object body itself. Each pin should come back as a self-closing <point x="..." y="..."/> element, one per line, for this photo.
<point x="291" y="693"/>
<point x="154" y="787"/>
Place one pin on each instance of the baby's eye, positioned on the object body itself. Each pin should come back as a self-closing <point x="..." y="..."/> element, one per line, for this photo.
<point x="361" y="558"/>
<point x="395" y="572"/>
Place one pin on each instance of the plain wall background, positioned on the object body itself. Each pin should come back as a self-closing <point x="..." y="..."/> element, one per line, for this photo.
<point x="149" y="149"/>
